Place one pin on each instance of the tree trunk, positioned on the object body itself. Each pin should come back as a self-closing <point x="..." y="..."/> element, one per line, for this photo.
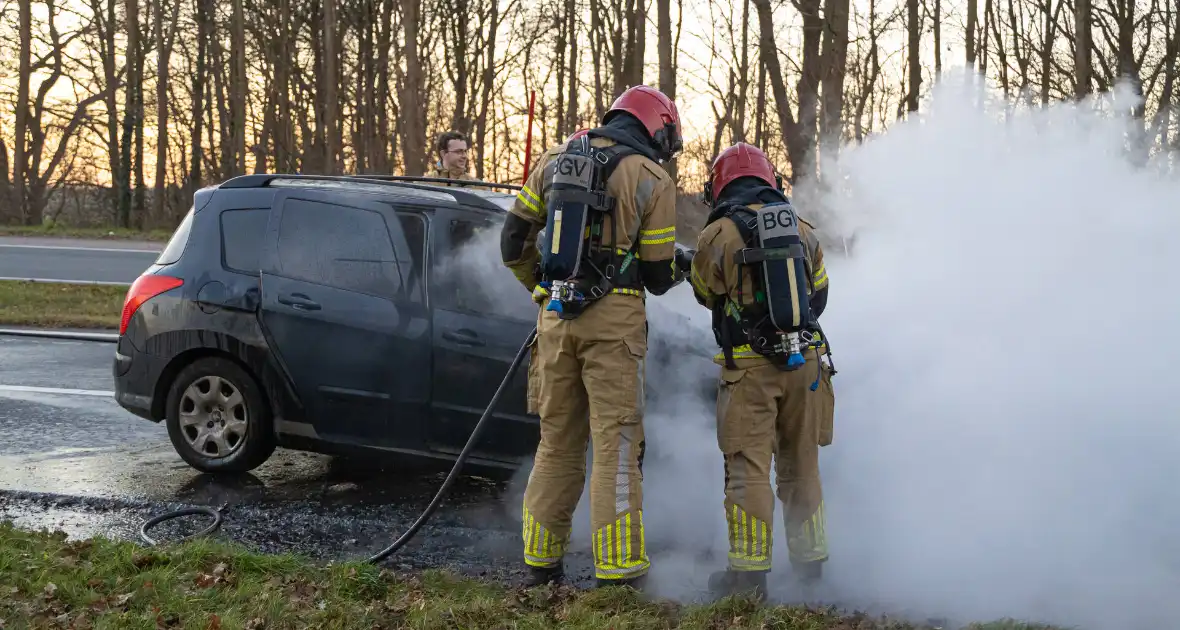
<point x="1083" y="44"/>
<point x="937" y="37"/>
<point x="795" y="139"/>
<point x="107" y="29"/>
<point x="412" y="106"/>
<point x="331" y="96"/>
<point x="571" y="110"/>
<point x="808" y="88"/>
<point x="485" y="99"/>
<point x="915" y="62"/>
<point x="834" y="68"/>
<point x="972" y="27"/>
<point x="667" y="64"/>
<point x="132" y="55"/>
<point x="200" y="84"/>
<point x="384" y="138"/>
<point x="743" y="79"/>
<point x="1047" y="50"/>
<point x="19" y="157"/>
<point x="163" y="56"/>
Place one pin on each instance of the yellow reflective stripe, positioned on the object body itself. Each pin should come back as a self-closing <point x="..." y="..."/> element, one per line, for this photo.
<point x="810" y="542"/>
<point x="667" y="230"/>
<point x="532" y="195"/>
<point x="541" y="547"/>
<point x="529" y="204"/>
<point x="615" y="554"/>
<point x="749" y="541"/>
<point x="635" y="292"/>
<point x="739" y="352"/>
<point x="657" y="241"/>
<point x="698" y="282"/>
<point x="820" y="276"/>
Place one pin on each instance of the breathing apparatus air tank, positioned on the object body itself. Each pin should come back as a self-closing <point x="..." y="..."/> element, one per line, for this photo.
<point x="784" y="272"/>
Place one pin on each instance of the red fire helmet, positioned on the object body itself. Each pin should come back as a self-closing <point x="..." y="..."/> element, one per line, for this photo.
<point x="656" y="112"/>
<point x="739" y="160"/>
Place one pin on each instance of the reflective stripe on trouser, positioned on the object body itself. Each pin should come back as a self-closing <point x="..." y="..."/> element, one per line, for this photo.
<point x="590" y="388"/>
<point x="762" y="415"/>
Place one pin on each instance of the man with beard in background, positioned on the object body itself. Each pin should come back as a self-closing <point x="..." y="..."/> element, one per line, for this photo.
<point x="618" y="208"/>
<point x="765" y="407"/>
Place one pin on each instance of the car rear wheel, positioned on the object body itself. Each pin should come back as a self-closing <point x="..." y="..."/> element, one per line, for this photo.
<point x="217" y="418"/>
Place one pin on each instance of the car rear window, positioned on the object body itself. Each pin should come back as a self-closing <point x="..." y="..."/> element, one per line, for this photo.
<point x="176" y="244"/>
<point x="242" y="234"/>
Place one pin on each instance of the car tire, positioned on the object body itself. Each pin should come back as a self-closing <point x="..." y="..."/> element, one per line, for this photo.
<point x="217" y="418"/>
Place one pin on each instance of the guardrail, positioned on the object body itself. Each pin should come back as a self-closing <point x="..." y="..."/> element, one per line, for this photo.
<point x="56" y="281"/>
<point x="66" y="335"/>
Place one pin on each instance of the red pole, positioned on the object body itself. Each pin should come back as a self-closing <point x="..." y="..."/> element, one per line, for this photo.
<point x="528" y="140"/>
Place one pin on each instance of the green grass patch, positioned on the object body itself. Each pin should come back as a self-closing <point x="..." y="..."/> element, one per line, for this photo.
<point x="106" y="233"/>
<point x="56" y="305"/>
<point x="47" y="581"/>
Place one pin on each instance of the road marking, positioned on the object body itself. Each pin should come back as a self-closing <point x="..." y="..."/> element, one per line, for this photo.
<point x="60" y="281"/>
<point x="55" y="390"/>
<point x="116" y="250"/>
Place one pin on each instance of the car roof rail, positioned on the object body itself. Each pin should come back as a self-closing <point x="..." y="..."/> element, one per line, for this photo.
<point x="442" y="180"/>
<point x="464" y="197"/>
<point x="460" y="196"/>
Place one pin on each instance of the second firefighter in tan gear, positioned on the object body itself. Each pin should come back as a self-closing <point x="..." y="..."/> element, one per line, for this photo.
<point x="588" y="377"/>
<point x="765" y="413"/>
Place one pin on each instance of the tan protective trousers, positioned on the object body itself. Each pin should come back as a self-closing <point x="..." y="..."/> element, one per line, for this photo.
<point x="589" y="386"/>
<point x="765" y="413"/>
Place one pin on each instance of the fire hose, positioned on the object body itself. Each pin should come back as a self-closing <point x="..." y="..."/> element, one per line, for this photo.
<point x="422" y="519"/>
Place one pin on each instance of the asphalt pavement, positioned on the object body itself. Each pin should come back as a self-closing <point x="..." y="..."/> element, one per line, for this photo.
<point x="75" y="260"/>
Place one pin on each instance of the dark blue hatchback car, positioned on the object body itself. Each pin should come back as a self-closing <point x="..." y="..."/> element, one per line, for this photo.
<point x="332" y="314"/>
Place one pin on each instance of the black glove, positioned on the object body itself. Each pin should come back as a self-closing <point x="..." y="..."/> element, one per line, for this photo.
<point x="684" y="259"/>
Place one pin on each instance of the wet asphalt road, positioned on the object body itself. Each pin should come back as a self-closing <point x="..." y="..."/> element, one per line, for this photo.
<point x="78" y="462"/>
<point x="75" y="260"/>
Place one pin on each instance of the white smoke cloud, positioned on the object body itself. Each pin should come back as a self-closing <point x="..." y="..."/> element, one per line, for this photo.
<point x="1006" y="428"/>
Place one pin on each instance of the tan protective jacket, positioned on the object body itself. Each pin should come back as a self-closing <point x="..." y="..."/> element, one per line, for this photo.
<point x="441" y="173"/>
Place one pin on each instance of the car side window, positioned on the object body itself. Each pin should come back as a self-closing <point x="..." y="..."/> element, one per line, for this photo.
<point x="343" y="247"/>
<point x="414" y="227"/>
<point x="242" y="233"/>
<point x="474" y="280"/>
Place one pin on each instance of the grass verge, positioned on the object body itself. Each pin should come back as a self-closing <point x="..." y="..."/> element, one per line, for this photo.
<point x="55" y="305"/>
<point x="109" y="233"/>
<point x="47" y="581"/>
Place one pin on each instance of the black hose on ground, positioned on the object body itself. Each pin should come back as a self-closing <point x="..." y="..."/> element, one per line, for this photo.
<point x="422" y="518"/>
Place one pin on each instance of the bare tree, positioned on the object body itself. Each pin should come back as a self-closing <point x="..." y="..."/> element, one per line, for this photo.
<point x="915" y="57"/>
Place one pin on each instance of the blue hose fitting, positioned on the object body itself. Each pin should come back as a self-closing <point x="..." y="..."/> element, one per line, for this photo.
<point x="795" y="360"/>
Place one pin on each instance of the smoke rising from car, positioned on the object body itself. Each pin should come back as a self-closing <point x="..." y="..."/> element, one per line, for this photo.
<point x="1006" y="428"/>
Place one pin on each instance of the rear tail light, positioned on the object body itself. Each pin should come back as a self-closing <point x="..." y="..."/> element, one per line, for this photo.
<point x="143" y="289"/>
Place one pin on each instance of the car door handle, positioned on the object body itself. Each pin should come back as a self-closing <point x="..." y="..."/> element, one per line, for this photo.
<point x="463" y="337"/>
<point x="299" y="301"/>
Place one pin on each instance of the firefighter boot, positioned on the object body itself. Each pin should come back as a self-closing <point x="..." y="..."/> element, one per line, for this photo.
<point x="729" y="582"/>
<point x="808" y="573"/>
<point x="540" y="576"/>
<point x="637" y="583"/>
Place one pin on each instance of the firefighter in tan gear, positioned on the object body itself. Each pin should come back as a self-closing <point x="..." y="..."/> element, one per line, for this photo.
<point x="590" y="234"/>
<point x="752" y="259"/>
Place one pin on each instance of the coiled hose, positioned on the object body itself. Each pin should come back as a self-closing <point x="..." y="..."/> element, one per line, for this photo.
<point x="422" y="519"/>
